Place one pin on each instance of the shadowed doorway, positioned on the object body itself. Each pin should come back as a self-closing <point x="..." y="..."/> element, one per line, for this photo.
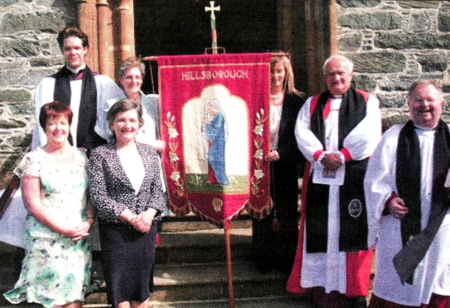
<point x="180" y="27"/>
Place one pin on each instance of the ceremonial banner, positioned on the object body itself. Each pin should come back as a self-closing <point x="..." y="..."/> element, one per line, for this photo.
<point x="215" y="121"/>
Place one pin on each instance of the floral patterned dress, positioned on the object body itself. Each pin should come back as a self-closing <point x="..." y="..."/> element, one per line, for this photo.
<point x="55" y="270"/>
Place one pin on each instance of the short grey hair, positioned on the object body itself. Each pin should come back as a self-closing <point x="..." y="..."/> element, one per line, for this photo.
<point x="130" y="63"/>
<point x="342" y="58"/>
<point x="430" y="82"/>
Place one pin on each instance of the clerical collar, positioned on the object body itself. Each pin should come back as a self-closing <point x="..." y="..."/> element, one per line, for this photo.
<point x="336" y="96"/>
<point x="76" y="70"/>
<point x="425" y="128"/>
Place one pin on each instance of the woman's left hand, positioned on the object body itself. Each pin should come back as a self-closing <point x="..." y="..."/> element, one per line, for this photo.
<point x="144" y="220"/>
<point x="273" y="156"/>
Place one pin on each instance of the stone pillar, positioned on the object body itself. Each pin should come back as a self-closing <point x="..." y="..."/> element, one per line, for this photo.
<point x="333" y="28"/>
<point x="87" y="20"/>
<point x="285" y="24"/>
<point x="125" y="13"/>
<point x="311" y="48"/>
<point x="105" y="39"/>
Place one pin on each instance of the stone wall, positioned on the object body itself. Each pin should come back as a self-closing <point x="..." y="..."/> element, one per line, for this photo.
<point x="28" y="52"/>
<point x="392" y="43"/>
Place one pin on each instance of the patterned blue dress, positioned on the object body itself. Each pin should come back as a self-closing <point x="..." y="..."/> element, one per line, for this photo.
<point x="55" y="270"/>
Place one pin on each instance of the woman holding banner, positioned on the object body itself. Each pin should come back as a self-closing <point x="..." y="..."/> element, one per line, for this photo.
<point x="275" y="236"/>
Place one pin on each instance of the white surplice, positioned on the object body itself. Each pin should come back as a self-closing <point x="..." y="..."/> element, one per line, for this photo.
<point x="433" y="273"/>
<point x="106" y="89"/>
<point x="329" y="269"/>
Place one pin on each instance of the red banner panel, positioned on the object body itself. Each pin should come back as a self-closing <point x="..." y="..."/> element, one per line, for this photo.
<point x="215" y="121"/>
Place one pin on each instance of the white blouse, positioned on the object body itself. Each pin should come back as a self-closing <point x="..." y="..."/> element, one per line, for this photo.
<point x="134" y="168"/>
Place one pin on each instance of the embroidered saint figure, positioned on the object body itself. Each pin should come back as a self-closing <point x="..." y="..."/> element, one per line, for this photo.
<point x="215" y="134"/>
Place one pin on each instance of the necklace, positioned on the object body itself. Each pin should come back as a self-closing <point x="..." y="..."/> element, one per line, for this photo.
<point x="277" y="99"/>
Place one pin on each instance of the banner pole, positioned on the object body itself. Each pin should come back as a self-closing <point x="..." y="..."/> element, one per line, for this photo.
<point x="229" y="264"/>
<point x="274" y="54"/>
<point x="151" y="58"/>
<point x="212" y="9"/>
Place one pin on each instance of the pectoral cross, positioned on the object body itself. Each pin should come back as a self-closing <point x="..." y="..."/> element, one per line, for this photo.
<point x="213" y="8"/>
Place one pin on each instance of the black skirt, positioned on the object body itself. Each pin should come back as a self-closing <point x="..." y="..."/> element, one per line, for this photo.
<point x="128" y="257"/>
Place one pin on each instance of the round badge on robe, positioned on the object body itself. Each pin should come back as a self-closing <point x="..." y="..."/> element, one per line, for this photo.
<point x="355" y="208"/>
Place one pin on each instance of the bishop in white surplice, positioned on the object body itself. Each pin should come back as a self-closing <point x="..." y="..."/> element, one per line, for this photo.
<point x="336" y="131"/>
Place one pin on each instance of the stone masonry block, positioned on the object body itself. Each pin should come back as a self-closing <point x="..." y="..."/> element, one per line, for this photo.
<point x="379" y="62"/>
<point x="433" y="62"/>
<point x="47" y="22"/>
<point x="373" y="21"/>
<point x="13" y="95"/>
<point x="422" y="41"/>
<point x="358" y="3"/>
<point x="408" y="4"/>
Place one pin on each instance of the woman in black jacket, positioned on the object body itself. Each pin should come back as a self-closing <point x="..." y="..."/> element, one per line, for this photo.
<point x="125" y="186"/>
<point x="275" y="236"/>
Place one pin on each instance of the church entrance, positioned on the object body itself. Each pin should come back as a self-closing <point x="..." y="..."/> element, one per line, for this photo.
<point x="182" y="27"/>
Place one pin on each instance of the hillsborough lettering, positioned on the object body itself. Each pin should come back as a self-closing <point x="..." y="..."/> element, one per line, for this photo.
<point x="220" y="74"/>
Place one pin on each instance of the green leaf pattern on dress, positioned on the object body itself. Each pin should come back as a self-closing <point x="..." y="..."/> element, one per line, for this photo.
<point x="55" y="270"/>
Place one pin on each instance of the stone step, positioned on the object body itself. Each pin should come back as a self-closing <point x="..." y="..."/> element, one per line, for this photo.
<point x="209" y="281"/>
<point x="205" y="245"/>
<point x="191" y="222"/>
<point x="285" y="301"/>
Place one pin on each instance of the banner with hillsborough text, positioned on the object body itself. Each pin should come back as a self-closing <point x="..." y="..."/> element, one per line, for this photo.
<point x="215" y="121"/>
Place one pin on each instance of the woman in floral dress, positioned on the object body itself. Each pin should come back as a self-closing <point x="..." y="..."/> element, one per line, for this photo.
<point x="56" y="268"/>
